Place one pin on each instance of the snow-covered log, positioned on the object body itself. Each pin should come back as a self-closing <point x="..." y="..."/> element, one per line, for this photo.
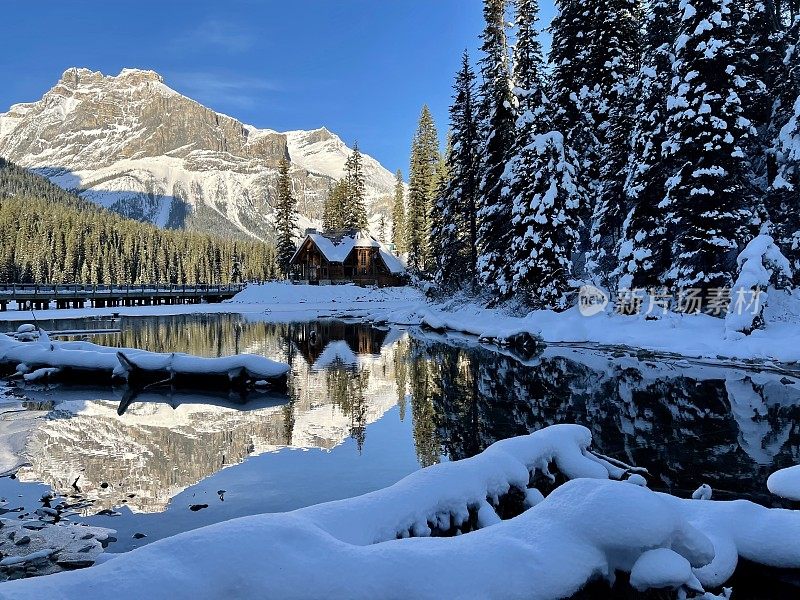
<point x="87" y="362"/>
<point x="587" y="528"/>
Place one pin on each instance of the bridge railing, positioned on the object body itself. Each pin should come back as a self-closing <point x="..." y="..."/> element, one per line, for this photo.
<point x="89" y="291"/>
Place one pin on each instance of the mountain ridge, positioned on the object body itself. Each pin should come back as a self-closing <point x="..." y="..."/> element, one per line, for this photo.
<point x="131" y="143"/>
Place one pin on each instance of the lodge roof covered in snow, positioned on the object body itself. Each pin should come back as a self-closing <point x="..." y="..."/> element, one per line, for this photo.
<point x="336" y="247"/>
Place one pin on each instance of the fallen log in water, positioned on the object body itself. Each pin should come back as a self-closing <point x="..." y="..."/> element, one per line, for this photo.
<point x="248" y="399"/>
<point x="84" y="362"/>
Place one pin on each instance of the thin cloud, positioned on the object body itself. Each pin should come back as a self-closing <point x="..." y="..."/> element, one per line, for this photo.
<point x="220" y="35"/>
<point x="221" y="88"/>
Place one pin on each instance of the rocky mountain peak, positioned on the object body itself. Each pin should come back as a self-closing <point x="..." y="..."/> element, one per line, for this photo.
<point x="75" y="77"/>
<point x="134" y="145"/>
<point x="140" y="75"/>
<point x="320" y="135"/>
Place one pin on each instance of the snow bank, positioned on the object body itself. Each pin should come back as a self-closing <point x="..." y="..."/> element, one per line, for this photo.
<point x="663" y="568"/>
<point x="586" y="528"/>
<point x="674" y="333"/>
<point x="277" y="294"/>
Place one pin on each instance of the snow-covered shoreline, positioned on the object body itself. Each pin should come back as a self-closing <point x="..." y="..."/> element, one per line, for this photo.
<point x="695" y="336"/>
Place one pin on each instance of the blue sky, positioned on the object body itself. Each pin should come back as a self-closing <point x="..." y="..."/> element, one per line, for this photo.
<point x="362" y="68"/>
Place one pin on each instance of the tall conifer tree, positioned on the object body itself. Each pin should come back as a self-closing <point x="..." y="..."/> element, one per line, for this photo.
<point x="285" y="218"/>
<point x="496" y="118"/>
<point x="573" y="61"/>
<point x="619" y="42"/>
<point x="644" y="252"/>
<point x="354" y="211"/>
<point x="335" y="208"/>
<point x="594" y="54"/>
<point x="399" y="214"/>
<point x="783" y="197"/>
<point x="546" y="199"/>
<point x="422" y="189"/>
<point x="709" y="198"/>
<point x="454" y="243"/>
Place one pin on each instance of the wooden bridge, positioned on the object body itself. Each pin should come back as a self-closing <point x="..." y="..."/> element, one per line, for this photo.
<point x="40" y="297"/>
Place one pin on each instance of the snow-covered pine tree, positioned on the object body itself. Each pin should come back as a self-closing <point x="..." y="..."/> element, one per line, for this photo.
<point x="454" y="239"/>
<point x="785" y="85"/>
<point x="546" y="221"/>
<point x="545" y="213"/>
<point x="285" y="218"/>
<point x="593" y="55"/>
<point x="618" y="42"/>
<point x="355" y="212"/>
<point x="528" y="65"/>
<point x="709" y="197"/>
<point x="761" y="266"/>
<point x="644" y="251"/>
<point x="759" y="51"/>
<point x="399" y="214"/>
<point x="422" y="189"/>
<point x="783" y="195"/>
<point x="496" y="119"/>
<point x="570" y="59"/>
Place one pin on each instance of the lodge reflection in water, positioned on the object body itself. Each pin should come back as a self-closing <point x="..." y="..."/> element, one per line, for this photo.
<point x="689" y="426"/>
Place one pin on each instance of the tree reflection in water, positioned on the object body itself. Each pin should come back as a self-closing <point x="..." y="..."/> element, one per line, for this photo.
<point x="687" y="425"/>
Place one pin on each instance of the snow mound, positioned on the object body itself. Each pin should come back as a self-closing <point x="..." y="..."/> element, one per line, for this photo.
<point x="785" y="483"/>
<point x="761" y="265"/>
<point x="663" y="568"/>
<point x="311" y="296"/>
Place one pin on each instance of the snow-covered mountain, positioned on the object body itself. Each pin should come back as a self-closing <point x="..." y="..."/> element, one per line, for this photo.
<point x="134" y="145"/>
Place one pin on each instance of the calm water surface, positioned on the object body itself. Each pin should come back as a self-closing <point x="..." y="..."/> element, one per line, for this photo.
<point x="367" y="406"/>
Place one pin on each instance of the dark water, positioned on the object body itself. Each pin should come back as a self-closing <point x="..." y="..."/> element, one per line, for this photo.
<point x="366" y="406"/>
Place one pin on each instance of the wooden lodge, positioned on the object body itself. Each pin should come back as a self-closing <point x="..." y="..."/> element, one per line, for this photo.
<point x="345" y="257"/>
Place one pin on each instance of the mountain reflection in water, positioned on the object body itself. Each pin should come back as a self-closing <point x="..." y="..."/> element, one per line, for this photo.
<point x="390" y="402"/>
<point x="166" y="442"/>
